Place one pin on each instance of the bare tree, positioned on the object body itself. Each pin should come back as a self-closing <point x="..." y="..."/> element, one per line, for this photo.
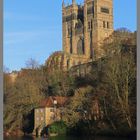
<point x="120" y="73"/>
<point x="32" y="63"/>
<point x="6" y="69"/>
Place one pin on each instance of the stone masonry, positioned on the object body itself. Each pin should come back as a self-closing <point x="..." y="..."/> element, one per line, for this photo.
<point x="84" y="28"/>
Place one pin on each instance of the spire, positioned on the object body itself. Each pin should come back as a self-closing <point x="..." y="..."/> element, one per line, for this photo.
<point x="63" y="4"/>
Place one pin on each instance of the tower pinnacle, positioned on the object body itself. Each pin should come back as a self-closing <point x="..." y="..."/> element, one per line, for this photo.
<point x="63" y="4"/>
<point x="73" y="1"/>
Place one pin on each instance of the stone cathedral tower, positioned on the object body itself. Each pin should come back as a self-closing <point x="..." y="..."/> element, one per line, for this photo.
<point x="84" y="27"/>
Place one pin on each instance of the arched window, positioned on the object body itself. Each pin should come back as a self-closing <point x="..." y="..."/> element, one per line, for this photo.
<point x="104" y="24"/>
<point x="80" y="47"/>
<point x="107" y="24"/>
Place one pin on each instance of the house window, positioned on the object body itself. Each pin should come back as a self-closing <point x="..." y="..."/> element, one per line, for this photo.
<point x="55" y="102"/>
<point x="52" y="117"/>
<point x="104" y="24"/>
<point x="104" y="10"/>
<point x="51" y="110"/>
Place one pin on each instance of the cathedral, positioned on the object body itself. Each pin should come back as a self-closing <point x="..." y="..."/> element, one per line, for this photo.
<point x="84" y="28"/>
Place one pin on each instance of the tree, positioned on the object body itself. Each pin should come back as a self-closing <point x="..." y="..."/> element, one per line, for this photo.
<point x="32" y="64"/>
<point x="121" y="75"/>
<point x="24" y="97"/>
<point x="79" y="106"/>
<point x="60" y="83"/>
<point x="6" y="69"/>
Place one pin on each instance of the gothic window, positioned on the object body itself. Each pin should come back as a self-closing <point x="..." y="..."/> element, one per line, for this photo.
<point x="79" y="27"/>
<point x="91" y="47"/>
<point x="80" y="47"/>
<point x="107" y="24"/>
<point x="104" y="24"/>
<point x="90" y="10"/>
<point x="104" y="10"/>
<point x="88" y="25"/>
<point x="71" y="45"/>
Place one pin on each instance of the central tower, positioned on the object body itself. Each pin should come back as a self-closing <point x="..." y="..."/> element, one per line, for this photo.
<point x="84" y="29"/>
<point x="86" y="26"/>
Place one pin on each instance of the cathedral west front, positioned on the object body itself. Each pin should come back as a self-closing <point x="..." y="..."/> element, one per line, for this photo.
<point x="84" y="28"/>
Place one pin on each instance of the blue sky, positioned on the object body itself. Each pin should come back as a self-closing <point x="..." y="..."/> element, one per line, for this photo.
<point x="33" y="28"/>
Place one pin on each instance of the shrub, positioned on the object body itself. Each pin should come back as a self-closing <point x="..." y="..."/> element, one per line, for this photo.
<point x="58" y="127"/>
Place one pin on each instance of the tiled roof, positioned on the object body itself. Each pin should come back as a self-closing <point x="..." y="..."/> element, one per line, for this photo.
<point x="49" y="102"/>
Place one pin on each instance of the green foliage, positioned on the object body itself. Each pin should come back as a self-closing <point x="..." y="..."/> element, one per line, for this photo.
<point x="26" y="92"/>
<point x="60" y="83"/>
<point x="111" y="82"/>
<point x="58" y="127"/>
<point x="80" y="103"/>
<point x="21" y="96"/>
<point x="82" y="128"/>
<point x="120" y="73"/>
